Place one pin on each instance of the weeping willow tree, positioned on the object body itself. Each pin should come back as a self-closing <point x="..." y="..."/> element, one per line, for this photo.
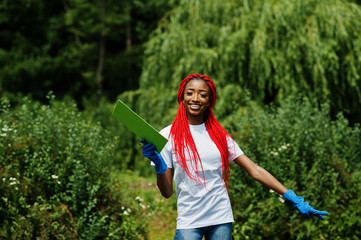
<point x="271" y="48"/>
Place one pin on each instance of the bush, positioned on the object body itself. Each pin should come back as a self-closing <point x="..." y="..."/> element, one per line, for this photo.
<point x="307" y="151"/>
<point x="55" y="183"/>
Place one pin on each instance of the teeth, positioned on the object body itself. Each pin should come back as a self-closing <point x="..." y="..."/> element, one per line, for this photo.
<point x="195" y="106"/>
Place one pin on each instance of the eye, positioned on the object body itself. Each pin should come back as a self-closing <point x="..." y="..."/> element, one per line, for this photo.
<point x="188" y="93"/>
<point x="204" y="95"/>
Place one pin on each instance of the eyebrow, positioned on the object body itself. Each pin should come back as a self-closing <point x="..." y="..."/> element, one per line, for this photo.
<point x="202" y="90"/>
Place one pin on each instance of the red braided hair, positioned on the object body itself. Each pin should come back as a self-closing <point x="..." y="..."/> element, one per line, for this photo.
<point x="182" y="139"/>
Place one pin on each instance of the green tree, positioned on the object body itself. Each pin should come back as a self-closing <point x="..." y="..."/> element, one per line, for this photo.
<point x="74" y="47"/>
<point x="272" y="48"/>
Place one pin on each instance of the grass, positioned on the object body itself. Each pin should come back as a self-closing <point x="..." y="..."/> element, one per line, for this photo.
<point x="163" y="226"/>
<point x="162" y="222"/>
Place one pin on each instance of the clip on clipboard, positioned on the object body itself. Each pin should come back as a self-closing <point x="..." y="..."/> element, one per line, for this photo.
<point x="138" y="125"/>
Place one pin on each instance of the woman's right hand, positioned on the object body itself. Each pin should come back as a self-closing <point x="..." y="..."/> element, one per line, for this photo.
<point x="149" y="151"/>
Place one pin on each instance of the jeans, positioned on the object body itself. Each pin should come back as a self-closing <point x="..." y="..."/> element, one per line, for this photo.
<point x="216" y="232"/>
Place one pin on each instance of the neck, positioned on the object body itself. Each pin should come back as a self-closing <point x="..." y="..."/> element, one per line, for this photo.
<point x="195" y="120"/>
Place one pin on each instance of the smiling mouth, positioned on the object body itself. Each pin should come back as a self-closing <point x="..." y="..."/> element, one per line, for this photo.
<point x="195" y="107"/>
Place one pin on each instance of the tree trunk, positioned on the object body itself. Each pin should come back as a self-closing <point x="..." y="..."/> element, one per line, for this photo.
<point x="99" y="78"/>
<point x="76" y="37"/>
<point x="128" y="48"/>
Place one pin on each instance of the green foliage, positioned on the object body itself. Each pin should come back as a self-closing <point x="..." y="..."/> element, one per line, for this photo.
<point x="128" y="152"/>
<point x="55" y="176"/>
<point x="272" y="48"/>
<point x="316" y="157"/>
<point x="74" y="47"/>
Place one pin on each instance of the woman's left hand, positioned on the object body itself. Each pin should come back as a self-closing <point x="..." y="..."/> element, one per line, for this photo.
<point x="304" y="207"/>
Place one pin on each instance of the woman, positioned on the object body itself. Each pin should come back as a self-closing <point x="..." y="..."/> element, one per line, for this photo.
<point x="199" y="151"/>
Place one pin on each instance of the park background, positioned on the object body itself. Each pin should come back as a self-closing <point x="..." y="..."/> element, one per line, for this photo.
<point x="288" y="76"/>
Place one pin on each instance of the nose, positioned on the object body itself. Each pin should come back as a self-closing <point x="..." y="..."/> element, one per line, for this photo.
<point x="195" y="97"/>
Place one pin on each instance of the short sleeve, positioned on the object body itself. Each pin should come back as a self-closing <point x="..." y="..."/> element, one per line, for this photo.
<point x="167" y="151"/>
<point x="233" y="149"/>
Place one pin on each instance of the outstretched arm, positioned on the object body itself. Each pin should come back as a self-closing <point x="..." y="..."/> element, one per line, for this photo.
<point x="260" y="174"/>
<point x="264" y="177"/>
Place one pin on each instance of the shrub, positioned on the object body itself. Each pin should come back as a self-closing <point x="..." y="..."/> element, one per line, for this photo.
<point x="307" y="151"/>
<point x="55" y="183"/>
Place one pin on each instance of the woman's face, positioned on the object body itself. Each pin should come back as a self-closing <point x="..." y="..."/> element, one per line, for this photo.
<point x="196" y="99"/>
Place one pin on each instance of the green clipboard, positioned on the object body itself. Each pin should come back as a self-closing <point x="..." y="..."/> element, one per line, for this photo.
<point x="138" y="125"/>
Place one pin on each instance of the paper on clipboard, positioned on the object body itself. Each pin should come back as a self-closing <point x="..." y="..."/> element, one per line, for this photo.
<point x="138" y="125"/>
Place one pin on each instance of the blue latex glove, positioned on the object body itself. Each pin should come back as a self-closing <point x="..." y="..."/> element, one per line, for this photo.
<point x="304" y="207"/>
<point x="150" y="152"/>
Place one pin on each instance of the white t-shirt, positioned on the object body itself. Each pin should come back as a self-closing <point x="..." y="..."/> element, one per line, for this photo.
<point x="198" y="205"/>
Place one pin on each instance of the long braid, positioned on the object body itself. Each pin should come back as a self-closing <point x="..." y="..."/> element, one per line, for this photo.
<point x="184" y="144"/>
<point x="182" y="139"/>
<point x="219" y="136"/>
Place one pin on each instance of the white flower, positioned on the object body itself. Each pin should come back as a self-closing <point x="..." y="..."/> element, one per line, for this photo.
<point x="12" y="183"/>
<point x="271" y="191"/>
<point x="274" y="153"/>
<point x="281" y="199"/>
<point x="12" y="179"/>
<point x="125" y="213"/>
<point x="142" y="206"/>
<point x="54" y="176"/>
<point x="139" y="199"/>
<point x="6" y="129"/>
<point x="284" y="147"/>
<point x="59" y="182"/>
<point x="3" y="134"/>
